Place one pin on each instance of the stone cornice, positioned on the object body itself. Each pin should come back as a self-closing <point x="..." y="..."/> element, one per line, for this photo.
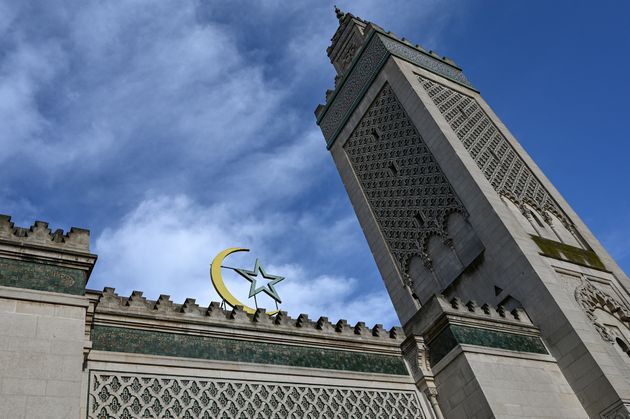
<point x="440" y="310"/>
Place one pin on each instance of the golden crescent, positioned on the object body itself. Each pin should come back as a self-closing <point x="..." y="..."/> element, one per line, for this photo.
<point x="219" y="285"/>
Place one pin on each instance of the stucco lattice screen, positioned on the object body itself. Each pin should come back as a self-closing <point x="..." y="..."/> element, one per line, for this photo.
<point x="405" y="187"/>
<point x="497" y="159"/>
<point x="124" y="396"/>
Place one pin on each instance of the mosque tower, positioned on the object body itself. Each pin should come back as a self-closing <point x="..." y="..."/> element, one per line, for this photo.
<point x="456" y="211"/>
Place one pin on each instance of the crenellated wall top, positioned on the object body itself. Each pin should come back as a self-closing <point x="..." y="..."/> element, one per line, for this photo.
<point x="77" y="239"/>
<point x="164" y="309"/>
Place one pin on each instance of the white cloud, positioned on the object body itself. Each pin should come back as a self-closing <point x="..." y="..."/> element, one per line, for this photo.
<point x="127" y="74"/>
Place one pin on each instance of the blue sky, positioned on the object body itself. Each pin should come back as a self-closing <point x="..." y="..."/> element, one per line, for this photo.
<point x="174" y="129"/>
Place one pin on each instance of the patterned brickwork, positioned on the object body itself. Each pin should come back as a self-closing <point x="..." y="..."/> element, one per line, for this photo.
<point x="497" y="159"/>
<point x="123" y="395"/>
<point x="405" y="187"/>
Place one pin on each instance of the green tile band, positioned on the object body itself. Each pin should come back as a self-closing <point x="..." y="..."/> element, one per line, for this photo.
<point x="453" y="335"/>
<point x="569" y="253"/>
<point x="148" y="342"/>
<point x="41" y="277"/>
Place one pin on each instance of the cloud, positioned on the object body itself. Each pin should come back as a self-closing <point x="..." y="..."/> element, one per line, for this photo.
<point x="126" y="77"/>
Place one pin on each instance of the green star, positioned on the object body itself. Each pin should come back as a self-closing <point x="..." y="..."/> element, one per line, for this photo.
<point x="267" y="289"/>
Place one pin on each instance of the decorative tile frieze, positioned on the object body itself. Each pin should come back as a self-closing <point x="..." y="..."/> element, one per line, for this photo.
<point x="41" y="277"/>
<point x="150" y="342"/>
<point x="425" y="60"/>
<point x="404" y="185"/>
<point x="374" y="53"/>
<point x="454" y="334"/>
<point x="371" y="60"/>
<point x="126" y="395"/>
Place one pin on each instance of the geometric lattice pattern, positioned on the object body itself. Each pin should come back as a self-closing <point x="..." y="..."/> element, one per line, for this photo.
<point x="122" y="395"/>
<point x="497" y="159"/>
<point x="405" y="187"/>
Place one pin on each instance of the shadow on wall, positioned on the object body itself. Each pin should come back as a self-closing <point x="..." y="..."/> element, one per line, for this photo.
<point x="448" y="257"/>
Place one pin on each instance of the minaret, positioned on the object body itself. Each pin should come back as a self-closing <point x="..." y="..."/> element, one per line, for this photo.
<point x="452" y="205"/>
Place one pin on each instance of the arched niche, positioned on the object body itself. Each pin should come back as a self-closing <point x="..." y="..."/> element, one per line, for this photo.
<point x="444" y="260"/>
<point x="563" y="232"/>
<point x="617" y="330"/>
<point x="425" y="284"/>
<point x="610" y="317"/>
<point x="540" y="224"/>
<point x="464" y="240"/>
<point x="518" y="214"/>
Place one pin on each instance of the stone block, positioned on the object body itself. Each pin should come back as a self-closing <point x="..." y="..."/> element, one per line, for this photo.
<point x="66" y="347"/>
<point x="7" y="306"/>
<point x="51" y="408"/>
<point x="31" y="307"/>
<point x="57" y="388"/>
<point x="60" y="328"/>
<point x="12" y="406"/>
<point x="23" y="387"/>
<point x="16" y="325"/>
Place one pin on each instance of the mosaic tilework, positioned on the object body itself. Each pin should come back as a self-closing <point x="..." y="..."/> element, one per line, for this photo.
<point x="123" y="395"/>
<point x="41" y="277"/>
<point x="455" y="334"/>
<point x="106" y="338"/>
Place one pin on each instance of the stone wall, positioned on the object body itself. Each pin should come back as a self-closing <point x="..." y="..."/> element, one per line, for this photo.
<point x="182" y="360"/>
<point x="42" y="320"/>
<point x="41" y="354"/>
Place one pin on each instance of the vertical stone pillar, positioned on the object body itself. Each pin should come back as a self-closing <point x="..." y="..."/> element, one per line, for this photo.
<point x="417" y="357"/>
<point x="42" y="319"/>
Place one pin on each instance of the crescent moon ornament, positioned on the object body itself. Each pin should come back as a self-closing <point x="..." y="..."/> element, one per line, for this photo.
<point x="228" y="297"/>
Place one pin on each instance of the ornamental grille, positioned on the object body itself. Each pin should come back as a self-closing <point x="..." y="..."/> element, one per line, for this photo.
<point x="125" y="396"/>
<point x="404" y="185"/>
<point x="497" y="159"/>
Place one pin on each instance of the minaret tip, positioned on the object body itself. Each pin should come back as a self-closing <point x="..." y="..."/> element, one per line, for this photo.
<point x="340" y="14"/>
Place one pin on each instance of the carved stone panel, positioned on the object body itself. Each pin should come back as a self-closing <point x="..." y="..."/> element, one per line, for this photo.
<point x="128" y="395"/>
<point x="498" y="160"/>
<point x="404" y="185"/>
<point x="591" y="298"/>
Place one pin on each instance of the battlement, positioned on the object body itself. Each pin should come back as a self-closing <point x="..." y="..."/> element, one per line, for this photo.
<point x="484" y="311"/>
<point x="136" y="305"/>
<point x="39" y="235"/>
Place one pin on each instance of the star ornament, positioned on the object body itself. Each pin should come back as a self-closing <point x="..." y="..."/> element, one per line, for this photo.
<point x="267" y="289"/>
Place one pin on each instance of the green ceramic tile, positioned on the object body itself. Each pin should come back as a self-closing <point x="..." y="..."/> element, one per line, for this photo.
<point x="106" y="338"/>
<point x="41" y="277"/>
<point x="455" y="334"/>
